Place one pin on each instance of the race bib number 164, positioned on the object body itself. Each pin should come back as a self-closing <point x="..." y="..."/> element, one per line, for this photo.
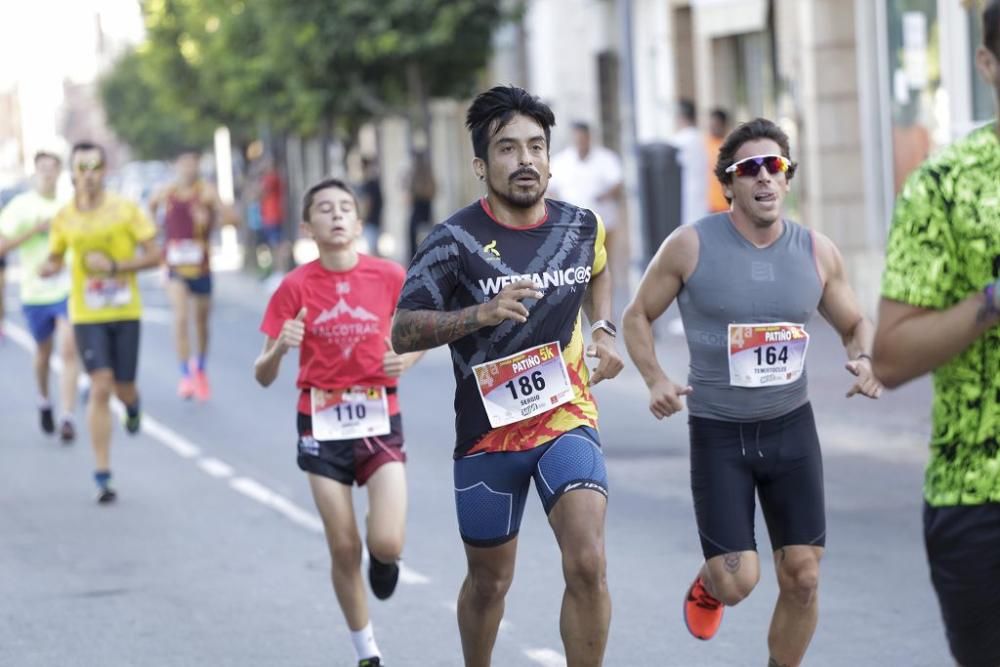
<point x="765" y="355"/>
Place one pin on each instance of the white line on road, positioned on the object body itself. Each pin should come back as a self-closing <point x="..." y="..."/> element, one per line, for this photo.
<point x="172" y="440"/>
<point x="268" y="498"/>
<point x="545" y="657"/>
<point x="213" y="466"/>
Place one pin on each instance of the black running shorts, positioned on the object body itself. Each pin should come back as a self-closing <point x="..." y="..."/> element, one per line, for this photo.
<point x="112" y="345"/>
<point x="963" y="549"/>
<point x="349" y="461"/>
<point x="779" y="459"/>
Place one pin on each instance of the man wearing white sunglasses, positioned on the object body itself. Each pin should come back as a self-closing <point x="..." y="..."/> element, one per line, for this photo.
<point x="747" y="282"/>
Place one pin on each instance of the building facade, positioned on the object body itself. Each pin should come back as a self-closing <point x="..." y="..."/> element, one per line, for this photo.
<point x="866" y="90"/>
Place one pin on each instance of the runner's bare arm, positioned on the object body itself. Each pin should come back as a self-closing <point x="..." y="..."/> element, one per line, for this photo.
<point x="149" y="258"/>
<point x="51" y="266"/>
<point x="597" y="306"/>
<point x="415" y="330"/>
<point x="839" y="306"/>
<point x="911" y="341"/>
<point x="394" y="364"/>
<point x="267" y="365"/>
<point x="673" y="263"/>
<point x="9" y="244"/>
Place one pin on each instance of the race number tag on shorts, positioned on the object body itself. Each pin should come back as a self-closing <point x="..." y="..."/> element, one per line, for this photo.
<point x="765" y="355"/>
<point x="106" y="292"/>
<point x="184" y="252"/>
<point x="524" y="384"/>
<point x="346" y="414"/>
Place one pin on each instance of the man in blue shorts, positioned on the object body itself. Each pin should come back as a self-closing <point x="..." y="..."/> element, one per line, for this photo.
<point x="24" y="225"/>
<point x="503" y="282"/>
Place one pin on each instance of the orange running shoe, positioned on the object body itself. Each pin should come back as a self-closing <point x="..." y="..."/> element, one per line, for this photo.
<point x="702" y="612"/>
<point x="186" y="388"/>
<point x="201" y="390"/>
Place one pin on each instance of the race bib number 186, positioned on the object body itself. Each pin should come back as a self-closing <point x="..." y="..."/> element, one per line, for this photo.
<point x="524" y="384"/>
<point x="765" y="355"/>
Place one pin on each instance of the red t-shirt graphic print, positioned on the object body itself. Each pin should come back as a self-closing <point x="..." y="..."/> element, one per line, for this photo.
<point x="348" y="319"/>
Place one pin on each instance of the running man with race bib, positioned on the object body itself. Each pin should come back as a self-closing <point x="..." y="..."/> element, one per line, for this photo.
<point x="747" y="282"/>
<point x="190" y="209"/>
<point x="338" y="310"/>
<point x="103" y="233"/>
<point x="24" y="225"/>
<point x="502" y="282"/>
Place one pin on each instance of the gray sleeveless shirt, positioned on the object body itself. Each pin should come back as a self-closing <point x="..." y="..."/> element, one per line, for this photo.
<point x="736" y="282"/>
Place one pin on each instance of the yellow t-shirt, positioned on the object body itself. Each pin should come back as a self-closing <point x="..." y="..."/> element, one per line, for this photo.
<point x="114" y="229"/>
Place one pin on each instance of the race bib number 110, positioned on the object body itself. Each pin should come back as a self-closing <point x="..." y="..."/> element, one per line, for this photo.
<point x="765" y="355"/>
<point x="524" y="384"/>
<point x="347" y="414"/>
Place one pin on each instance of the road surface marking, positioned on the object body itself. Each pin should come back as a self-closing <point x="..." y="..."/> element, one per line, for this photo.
<point x="212" y="466"/>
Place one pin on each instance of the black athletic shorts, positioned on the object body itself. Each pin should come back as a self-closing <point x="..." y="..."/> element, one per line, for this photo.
<point x="113" y="345"/>
<point x="779" y="459"/>
<point x="963" y="549"/>
<point x="349" y="461"/>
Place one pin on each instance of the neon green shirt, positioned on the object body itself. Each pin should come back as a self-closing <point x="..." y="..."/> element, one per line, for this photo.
<point x="944" y="246"/>
<point x="20" y="215"/>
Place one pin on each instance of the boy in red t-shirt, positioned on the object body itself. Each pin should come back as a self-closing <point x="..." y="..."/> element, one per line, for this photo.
<point x="338" y="311"/>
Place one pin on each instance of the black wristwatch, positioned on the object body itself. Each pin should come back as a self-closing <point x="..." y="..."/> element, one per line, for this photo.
<point x="606" y="325"/>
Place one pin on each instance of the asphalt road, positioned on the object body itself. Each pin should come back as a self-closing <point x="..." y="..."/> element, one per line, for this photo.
<point x="214" y="556"/>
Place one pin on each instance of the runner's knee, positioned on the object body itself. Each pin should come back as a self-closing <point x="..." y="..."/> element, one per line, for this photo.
<point x="487" y="585"/>
<point x="101" y="386"/>
<point x="733" y="589"/>
<point x="385" y="548"/>
<point x="346" y="555"/>
<point x="799" y="579"/>
<point x="585" y="569"/>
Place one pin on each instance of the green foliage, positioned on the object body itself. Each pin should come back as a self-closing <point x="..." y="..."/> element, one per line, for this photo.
<point x="298" y="66"/>
<point x="142" y="117"/>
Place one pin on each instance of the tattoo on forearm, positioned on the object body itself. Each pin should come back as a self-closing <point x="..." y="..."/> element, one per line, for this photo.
<point x="771" y="662"/>
<point x="732" y="562"/>
<point x="783" y="554"/>
<point x="416" y="330"/>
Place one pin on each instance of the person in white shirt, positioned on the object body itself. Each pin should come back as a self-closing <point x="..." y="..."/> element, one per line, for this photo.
<point x="691" y="156"/>
<point x="589" y="176"/>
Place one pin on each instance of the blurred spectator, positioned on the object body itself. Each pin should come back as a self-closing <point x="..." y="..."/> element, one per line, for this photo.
<point x="691" y="157"/>
<point x="370" y="196"/>
<point x="589" y="176"/>
<point x="422" y="189"/>
<point x="272" y="216"/>
<point x="718" y="128"/>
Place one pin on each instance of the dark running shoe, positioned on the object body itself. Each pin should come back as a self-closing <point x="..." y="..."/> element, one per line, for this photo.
<point x="382" y="577"/>
<point x="105" y="495"/>
<point x="67" y="432"/>
<point x="371" y="662"/>
<point x="133" y="424"/>
<point x="47" y="420"/>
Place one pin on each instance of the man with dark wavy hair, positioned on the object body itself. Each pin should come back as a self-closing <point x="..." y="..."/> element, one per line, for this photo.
<point x="939" y="314"/>
<point x="503" y="282"/>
